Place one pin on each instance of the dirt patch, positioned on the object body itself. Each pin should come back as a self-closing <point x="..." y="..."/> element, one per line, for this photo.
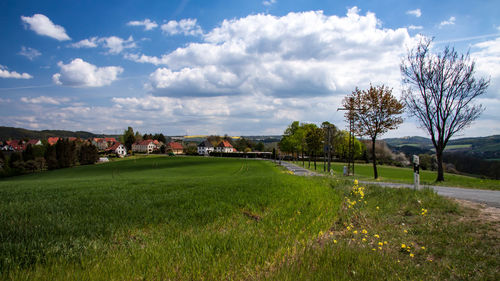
<point x="486" y="213"/>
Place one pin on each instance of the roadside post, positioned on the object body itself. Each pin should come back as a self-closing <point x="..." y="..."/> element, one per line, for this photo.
<point x="416" y="171"/>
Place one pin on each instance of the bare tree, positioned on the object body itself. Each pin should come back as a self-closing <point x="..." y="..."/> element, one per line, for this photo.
<point x="439" y="90"/>
<point x="374" y="112"/>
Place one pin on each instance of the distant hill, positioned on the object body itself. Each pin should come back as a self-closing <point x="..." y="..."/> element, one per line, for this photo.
<point x="482" y="147"/>
<point x="19" y="133"/>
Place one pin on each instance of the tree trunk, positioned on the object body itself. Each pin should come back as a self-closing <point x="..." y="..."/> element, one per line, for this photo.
<point x="374" y="157"/>
<point x="309" y="160"/>
<point x="439" y="156"/>
<point x="314" y="156"/>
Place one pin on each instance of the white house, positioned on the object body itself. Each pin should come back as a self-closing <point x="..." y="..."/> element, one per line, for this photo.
<point x="205" y="147"/>
<point x="145" y="146"/>
<point x="224" y="146"/>
<point x="119" y="149"/>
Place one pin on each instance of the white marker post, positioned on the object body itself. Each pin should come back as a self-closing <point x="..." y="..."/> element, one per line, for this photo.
<point x="416" y="171"/>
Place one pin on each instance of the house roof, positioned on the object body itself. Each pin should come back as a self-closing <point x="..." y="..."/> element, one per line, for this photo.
<point x="174" y="145"/>
<point x="224" y="143"/>
<point x="144" y="142"/>
<point x="114" y="146"/>
<point x="33" y="142"/>
<point x="110" y="139"/>
<point x="205" y="143"/>
<point x="52" y="140"/>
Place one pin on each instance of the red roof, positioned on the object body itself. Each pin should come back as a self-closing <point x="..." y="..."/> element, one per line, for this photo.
<point x="72" y="139"/>
<point x="224" y="143"/>
<point x="33" y="142"/>
<point x="174" y="145"/>
<point x="110" y="139"/>
<point x="144" y="142"/>
<point x="52" y="140"/>
<point x="114" y="146"/>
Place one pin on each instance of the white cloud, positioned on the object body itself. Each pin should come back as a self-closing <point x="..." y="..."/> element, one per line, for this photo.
<point x="487" y="58"/>
<point x="86" y="43"/>
<point x="79" y="73"/>
<point x="44" y="100"/>
<point x="147" y="23"/>
<point x="415" y="27"/>
<point x="184" y="26"/>
<point x="114" y="44"/>
<point x="268" y="2"/>
<point x="42" y="25"/>
<point x="5" y="73"/>
<point x="301" y="54"/>
<point x="417" y="13"/>
<point x="450" y="21"/>
<point x="30" y="53"/>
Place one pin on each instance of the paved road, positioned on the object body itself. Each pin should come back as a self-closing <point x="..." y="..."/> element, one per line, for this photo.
<point x="488" y="197"/>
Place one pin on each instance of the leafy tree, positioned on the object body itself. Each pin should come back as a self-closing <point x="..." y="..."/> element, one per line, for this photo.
<point x="88" y="154"/>
<point x="342" y="146"/>
<point x="314" y="140"/>
<point x="128" y="138"/>
<point x="28" y="153"/>
<point x="51" y="158"/>
<point x="259" y="146"/>
<point x="374" y="111"/>
<point x="330" y="132"/>
<point x="439" y="91"/>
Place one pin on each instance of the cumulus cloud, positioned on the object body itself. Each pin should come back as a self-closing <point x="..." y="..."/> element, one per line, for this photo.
<point x="301" y="54"/>
<point x="79" y="73"/>
<point x="86" y="43"/>
<point x="42" y="25"/>
<point x="487" y="58"/>
<point x="114" y="44"/>
<point x="147" y="23"/>
<point x="417" y="13"/>
<point x="30" y="53"/>
<point x="450" y="21"/>
<point x="44" y="100"/>
<point x="184" y="26"/>
<point x="5" y="73"/>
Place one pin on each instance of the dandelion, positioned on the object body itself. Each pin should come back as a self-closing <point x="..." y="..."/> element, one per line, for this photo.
<point x="385" y="242"/>
<point x="334" y="241"/>
<point x="423" y="248"/>
<point x="430" y="260"/>
<point x="355" y="182"/>
<point x="355" y="232"/>
<point x="373" y="249"/>
<point x="348" y="228"/>
<point x="364" y="239"/>
<point x="320" y="233"/>
<point x="331" y="233"/>
<point x="403" y="246"/>
<point x="378" y="208"/>
<point x="412" y="255"/>
<point x="380" y="248"/>
<point x="405" y="231"/>
<point x="380" y="243"/>
<point x="376" y="236"/>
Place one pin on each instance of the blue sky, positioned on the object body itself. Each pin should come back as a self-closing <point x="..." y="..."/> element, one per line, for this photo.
<point x="223" y="67"/>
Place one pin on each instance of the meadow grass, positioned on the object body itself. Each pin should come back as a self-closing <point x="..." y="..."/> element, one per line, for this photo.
<point x="197" y="218"/>
<point x="405" y="175"/>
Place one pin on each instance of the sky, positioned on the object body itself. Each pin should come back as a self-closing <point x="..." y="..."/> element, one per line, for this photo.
<point x="224" y="67"/>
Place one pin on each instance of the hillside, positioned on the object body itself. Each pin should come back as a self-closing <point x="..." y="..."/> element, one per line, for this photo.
<point x="482" y="147"/>
<point x="19" y="133"/>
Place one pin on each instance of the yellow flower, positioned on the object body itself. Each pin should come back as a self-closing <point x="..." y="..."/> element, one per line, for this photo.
<point x="331" y="233"/>
<point x="423" y="248"/>
<point x="298" y="212"/>
<point x="373" y="249"/>
<point x="405" y="231"/>
<point x="334" y="241"/>
<point x="348" y="228"/>
<point x="385" y="242"/>
<point x="320" y="233"/>
<point x="403" y="246"/>
<point x="380" y="243"/>
<point x="355" y="182"/>
<point x="364" y="231"/>
<point x="430" y="260"/>
<point x="380" y="248"/>
<point x="412" y="255"/>
<point x="376" y="236"/>
<point x="355" y="232"/>
<point x="364" y="239"/>
<point x="378" y="208"/>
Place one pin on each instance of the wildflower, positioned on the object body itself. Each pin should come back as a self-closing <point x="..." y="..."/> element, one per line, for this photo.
<point x="320" y="233"/>
<point x="373" y="249"/>
<point x="298" y="212"/>
<point x="331" y="233"/>
<point x="412" y="255"/>
<point x="430" y="260"/>
<point x="353" y="239"/>
<point x="376" y="236"/>
<point x="355" y="182"/>
<point x="364" y="231"/>
<point x="423" y="248"/>
<point x="378" y="208"/>
<point x="405" y="231"/>
<point x="364" y="240"/>
<point x="385" y="242"/>
<point x="403" y="246"/>
<point x="348" y="228"/>
<point x="334" y="241"/>
<point x="355" y="232"/>
<point x="380" y="248"/>
<point x="399" y="261"/>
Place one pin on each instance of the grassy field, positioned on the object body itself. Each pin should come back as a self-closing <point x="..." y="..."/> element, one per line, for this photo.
<point x="405" y="175"/>
<point x="195" y="218"/>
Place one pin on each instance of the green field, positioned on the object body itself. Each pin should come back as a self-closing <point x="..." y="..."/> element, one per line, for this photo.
<point x="196" y="218"/>
<point x="405" y="175"/>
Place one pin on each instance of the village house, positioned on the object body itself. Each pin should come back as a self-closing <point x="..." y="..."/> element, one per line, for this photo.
<point x="118" y="148"/>
<point x="175" y="148"/>
<point x="205" y="147"/>
<point x="52" y="140"/>
<point x="145" y="146"/>
<point x="225" y="147"/>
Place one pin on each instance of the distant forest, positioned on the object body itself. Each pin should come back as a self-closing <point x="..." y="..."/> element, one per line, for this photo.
<point x="7" y="133"/>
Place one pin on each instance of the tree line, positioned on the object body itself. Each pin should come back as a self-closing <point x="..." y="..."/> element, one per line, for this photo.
<point x="63" y="154"/>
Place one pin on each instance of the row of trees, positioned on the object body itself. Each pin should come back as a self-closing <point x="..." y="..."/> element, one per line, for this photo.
<point x="63" y="154"/>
